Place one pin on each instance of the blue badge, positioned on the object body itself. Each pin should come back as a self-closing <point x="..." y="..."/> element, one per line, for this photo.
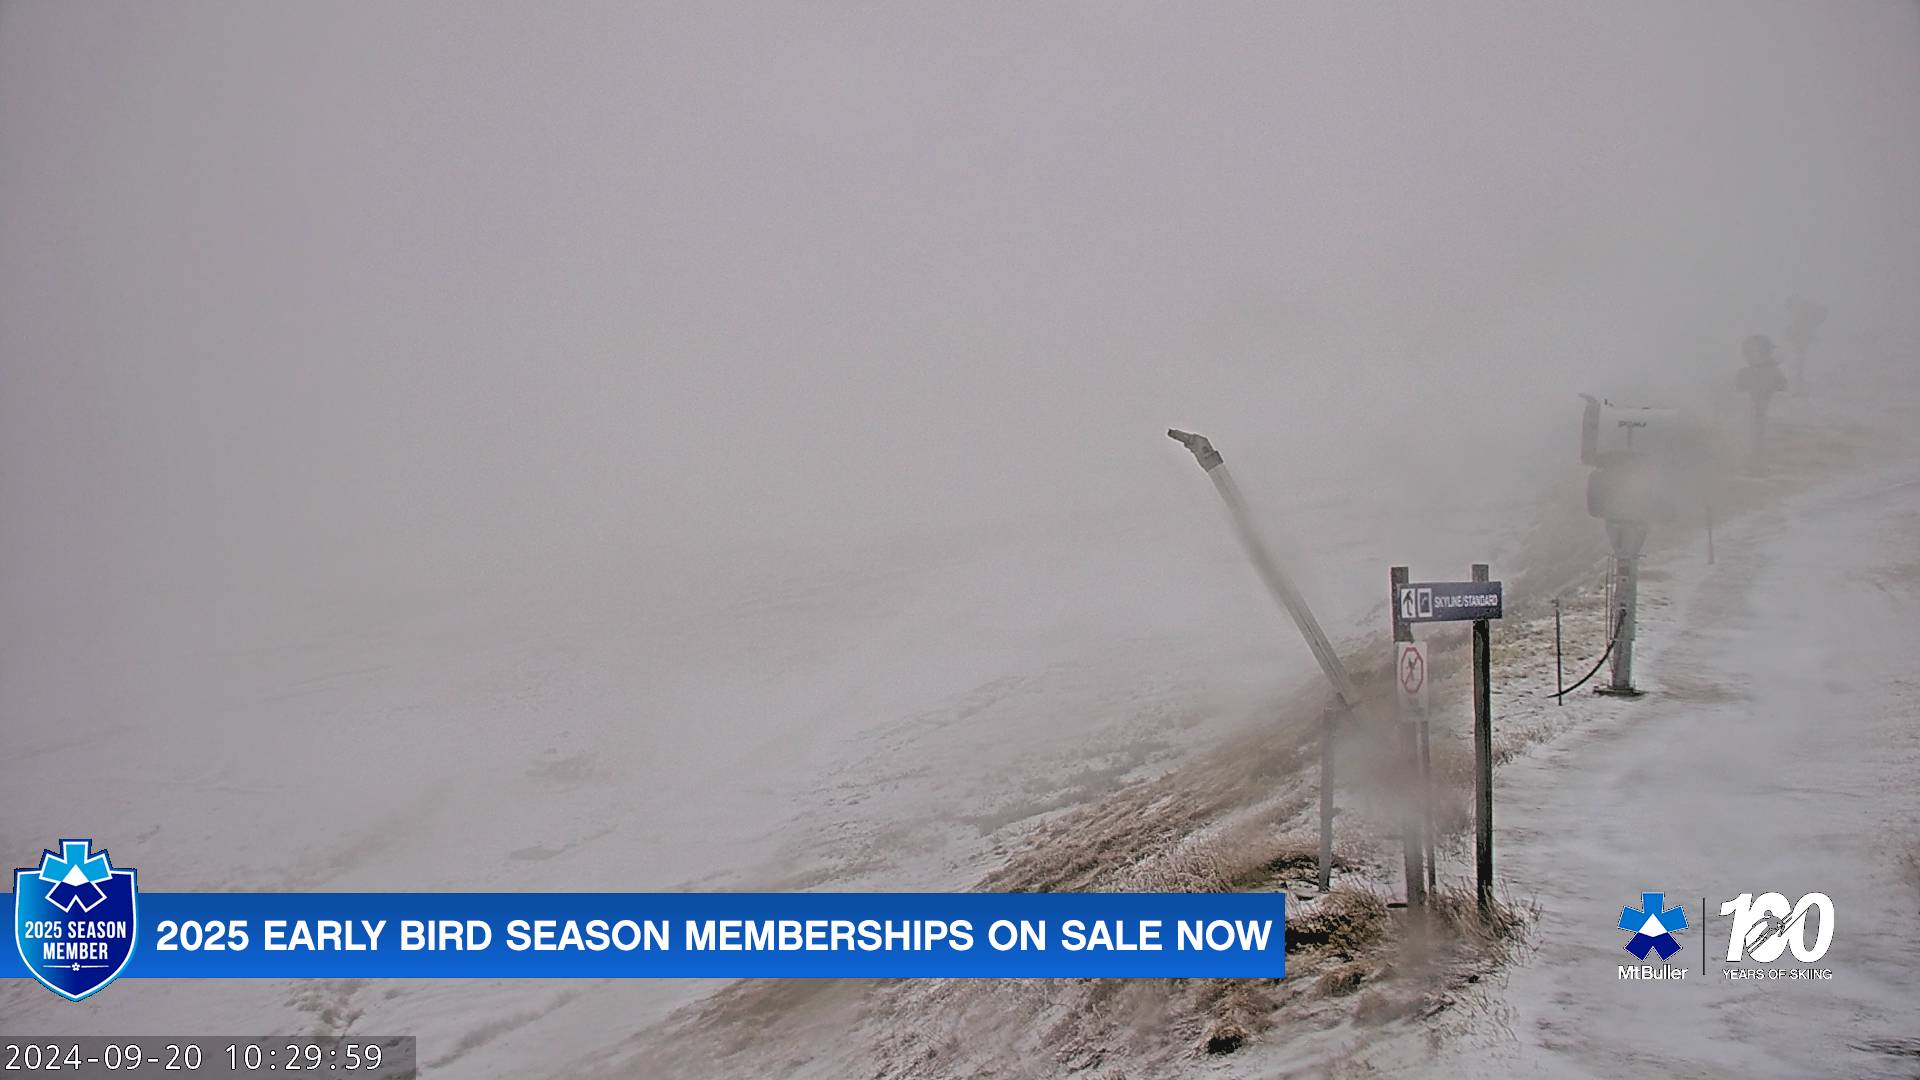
<point x="74" y="919"/>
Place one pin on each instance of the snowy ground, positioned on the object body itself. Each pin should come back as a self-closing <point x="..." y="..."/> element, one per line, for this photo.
<point x="1844" y="497"/>
<point x="1777" y="750"/>
<point x="894" y="717"/>
<point x="908" y="718"/>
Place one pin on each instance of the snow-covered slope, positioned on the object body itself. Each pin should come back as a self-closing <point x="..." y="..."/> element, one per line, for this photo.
<point x="894" y="717"/>
<point x="1778" y="750"/>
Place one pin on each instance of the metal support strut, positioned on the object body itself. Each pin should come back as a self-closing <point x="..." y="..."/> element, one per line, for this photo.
<point x="1276" y="579"/>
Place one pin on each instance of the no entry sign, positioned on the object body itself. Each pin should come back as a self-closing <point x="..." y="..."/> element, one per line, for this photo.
<point x="1449" y="601"/>
<point x="1410" y="671"/>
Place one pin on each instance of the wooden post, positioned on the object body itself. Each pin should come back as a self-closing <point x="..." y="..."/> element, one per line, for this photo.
<point x="1410" y="752"/>
<point x="1327" y="727"/>
<point x="1483" y="752"/>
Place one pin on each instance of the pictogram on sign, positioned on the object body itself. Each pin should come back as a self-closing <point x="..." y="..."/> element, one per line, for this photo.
<point x="1410" y="670"/>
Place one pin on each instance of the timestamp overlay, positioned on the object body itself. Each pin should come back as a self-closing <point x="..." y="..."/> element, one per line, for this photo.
<point x="372" y="1057"/>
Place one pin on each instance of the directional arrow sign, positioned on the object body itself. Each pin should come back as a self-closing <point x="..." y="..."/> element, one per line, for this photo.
<point x="1449" y="601"/>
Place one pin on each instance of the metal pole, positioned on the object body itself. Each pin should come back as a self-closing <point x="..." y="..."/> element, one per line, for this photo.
<point x="1409" y="751"/>
<point x="1483" y="752"/>
<point x="1430" y="834"/>
<point x="1709" y="532"/>
<point x="1277" y="581"/>
<point x="1423" y="750"/>
<point x="1628" y="538"/>
<point x="1629" y="610"/>
<point x="1559" y="671"/>
<point x="1326" y="799"/>
<point x="1613" y="571"/>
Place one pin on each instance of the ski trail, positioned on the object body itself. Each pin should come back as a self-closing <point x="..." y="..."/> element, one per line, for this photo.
<point x="1776" y="751"/>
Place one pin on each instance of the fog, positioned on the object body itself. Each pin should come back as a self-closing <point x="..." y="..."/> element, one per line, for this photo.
<point x="313" y="316"/>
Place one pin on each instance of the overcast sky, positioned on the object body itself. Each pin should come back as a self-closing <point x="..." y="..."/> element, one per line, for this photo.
<point x="307" y="303"/>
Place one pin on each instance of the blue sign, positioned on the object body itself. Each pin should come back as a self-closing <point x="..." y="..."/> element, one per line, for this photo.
<point x="1448" y="601"/>
<point x="75" y="919"/>
<point x="693" y="935"/>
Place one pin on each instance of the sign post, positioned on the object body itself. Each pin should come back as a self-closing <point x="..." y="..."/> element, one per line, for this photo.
<point x="1479" y="601"/>
<point x="1405" y="647"/>
<point x="1413" y="676"/>
<point x="1483" y="750"/>
<point x="1411" y="673"/>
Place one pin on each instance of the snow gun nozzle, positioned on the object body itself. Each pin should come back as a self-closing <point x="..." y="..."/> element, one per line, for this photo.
<point x="1203" y="451"/>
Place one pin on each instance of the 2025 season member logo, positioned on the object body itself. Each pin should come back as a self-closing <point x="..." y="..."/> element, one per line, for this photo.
<point x="74" y="919"/>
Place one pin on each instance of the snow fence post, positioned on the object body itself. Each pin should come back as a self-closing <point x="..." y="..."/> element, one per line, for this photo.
<point x="1559" y="670"/>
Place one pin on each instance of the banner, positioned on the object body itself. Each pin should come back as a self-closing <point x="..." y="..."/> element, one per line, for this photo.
<point x="688" y="935"/>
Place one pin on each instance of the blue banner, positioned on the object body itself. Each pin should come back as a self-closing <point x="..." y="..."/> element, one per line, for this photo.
<point x="708" y="935"/>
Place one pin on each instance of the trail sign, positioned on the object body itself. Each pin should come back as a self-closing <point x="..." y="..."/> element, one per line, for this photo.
<point x="1449" y="601"/>
<point x="1410" y="671"/>
<point x="1478" y="601"/>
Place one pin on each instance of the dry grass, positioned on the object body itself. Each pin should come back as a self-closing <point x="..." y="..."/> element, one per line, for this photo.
<point x="1346" y="921"/>
<point x="1241" y="1009"/>
<point x="1377" y="1007"/>
<point x="1250" y="857"/>
<point x="1494" y="932"/>
<point x="1226" y="1036"/>
<point x="1343" y="980"/>
<point x="1107" y="845"/>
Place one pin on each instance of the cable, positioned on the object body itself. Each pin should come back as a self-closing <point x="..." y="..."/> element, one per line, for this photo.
<point x="1617" y="626"/>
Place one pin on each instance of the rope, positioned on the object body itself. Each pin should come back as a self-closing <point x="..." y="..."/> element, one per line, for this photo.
<point x="1617" y="626"/>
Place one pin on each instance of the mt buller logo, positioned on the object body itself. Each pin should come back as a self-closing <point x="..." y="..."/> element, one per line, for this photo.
<point x="1652" y="926"/>
<point x="74" y="918"/>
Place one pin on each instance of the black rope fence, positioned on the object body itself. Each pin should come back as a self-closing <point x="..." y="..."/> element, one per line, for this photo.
<point x="1618" y="624"/>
